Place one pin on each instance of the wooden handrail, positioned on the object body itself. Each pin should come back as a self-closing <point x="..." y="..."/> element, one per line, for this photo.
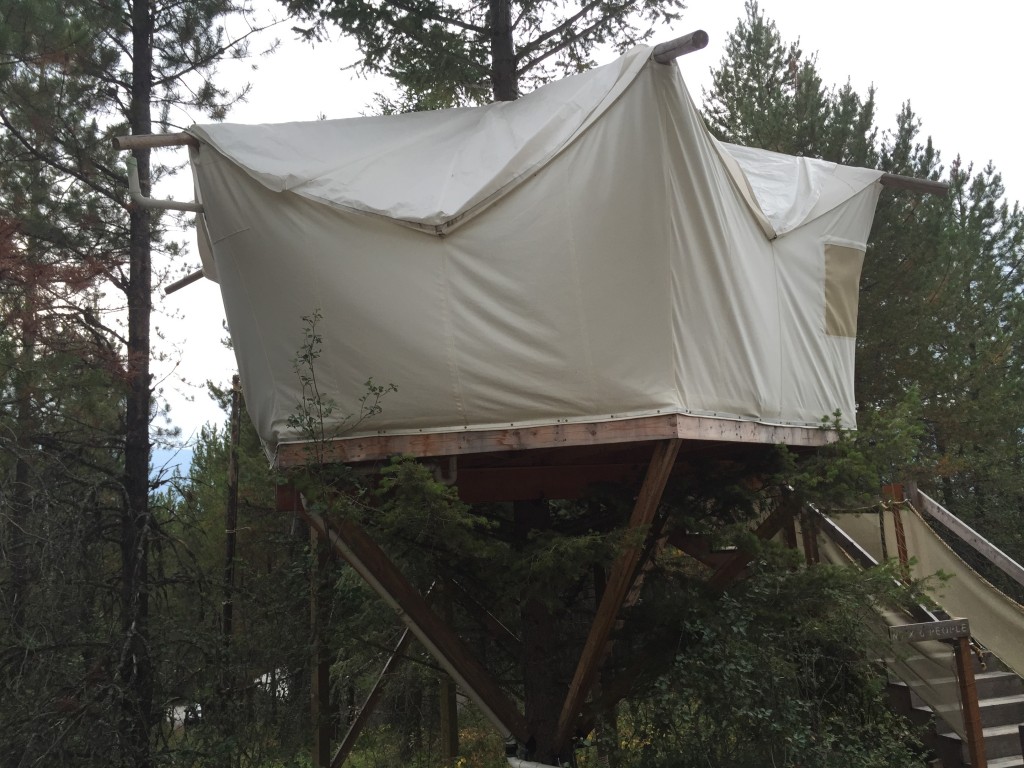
<point x="965" y="533"/>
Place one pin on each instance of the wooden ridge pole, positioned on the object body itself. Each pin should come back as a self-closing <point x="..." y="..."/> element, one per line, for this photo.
<point x="153" y="140"/>
<point x="924" y="186"/>
<point x="671" y="50"/>
<point x="188" y="279"/>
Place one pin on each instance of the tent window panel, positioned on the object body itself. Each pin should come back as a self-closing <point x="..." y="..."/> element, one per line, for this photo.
<point x="842" y="284"/>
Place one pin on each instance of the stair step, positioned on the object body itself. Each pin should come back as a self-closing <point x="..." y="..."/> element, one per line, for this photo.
<point x="1000" y="741"/>
<point x="1013" y="761"/>
<point x="992" y="684"/>
<point x="1002" y="710"/>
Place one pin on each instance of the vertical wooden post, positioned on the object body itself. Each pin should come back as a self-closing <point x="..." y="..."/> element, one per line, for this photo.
<point x="789" y="532"/>
<point x="969" y="700"/>
<point x="809" y="534"/>
<point x="446" y="695"/>
<point x="542" y="691"/>
<point x="231" y="514"/>
<point x="895" y="493"/>
<point x="320" y="667"/>
<point x="901" y="541"/>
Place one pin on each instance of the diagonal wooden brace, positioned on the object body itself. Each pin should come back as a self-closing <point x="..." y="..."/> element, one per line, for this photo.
<point x="374" y="566"/>
<point x="370" y="704"/>
<point x="730" y="570"/>
<point x="620" y="581"/>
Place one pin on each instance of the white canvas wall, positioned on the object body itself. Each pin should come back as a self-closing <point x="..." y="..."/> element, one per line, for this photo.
<point x="584" y="254"/>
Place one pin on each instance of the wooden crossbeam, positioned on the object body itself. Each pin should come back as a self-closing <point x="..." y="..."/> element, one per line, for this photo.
<point x="373" y="565"/>
<point x="734" y="566"/>
<point x="698" y="546"/>
<point x="620" y="581"/>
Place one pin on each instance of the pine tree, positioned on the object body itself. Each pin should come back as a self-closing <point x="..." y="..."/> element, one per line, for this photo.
<point x="768" y="94"/>
<point x="446" y="54"/>
<point x="72" y="74"/>
<point x="940" y="301"/>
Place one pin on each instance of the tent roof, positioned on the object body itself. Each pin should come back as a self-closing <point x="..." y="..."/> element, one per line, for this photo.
<point x="434" y="170"/>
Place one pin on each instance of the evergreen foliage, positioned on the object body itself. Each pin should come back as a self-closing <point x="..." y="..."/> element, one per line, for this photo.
<point x="112" y="591"/>
<point x="75" y="442"/>
<point x="447" y="54"/>
<point x="941" y="295"/>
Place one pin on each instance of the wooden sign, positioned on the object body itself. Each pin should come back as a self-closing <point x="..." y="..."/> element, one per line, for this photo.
<point x="950" y="629"/>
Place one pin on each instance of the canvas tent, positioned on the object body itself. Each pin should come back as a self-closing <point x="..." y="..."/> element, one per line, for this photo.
<point x="586" y="254"/>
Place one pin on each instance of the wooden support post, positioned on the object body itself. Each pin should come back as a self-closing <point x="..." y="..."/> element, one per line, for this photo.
<point x="901" y="542"/>
<point x="620" y="580"/>
<point x="539" y="631"/>
<point x="969" y="700"/>
<point x="449" y="720"/>
<point x="893" y="493"/>
<point x="789" y="531"/>
<point x="368" y="560"/>
<point x="320" y="667"/>
<point x="231" y="513"/>
<point x="359" y="721"/>
<point x="809" y="534"/>
<point x="449" y="715"/>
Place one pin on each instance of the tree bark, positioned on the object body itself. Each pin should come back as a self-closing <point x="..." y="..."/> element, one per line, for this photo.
<point x="136" y="665"/>
<point x="21" y="502"/>
<point x="504" y="78"/>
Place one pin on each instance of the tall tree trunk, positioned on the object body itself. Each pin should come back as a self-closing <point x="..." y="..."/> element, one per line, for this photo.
<point x="21" y="502"/>
<point x="542" y="690"/>
<point x="504" y="79"/>
<point x="136" y="665"/>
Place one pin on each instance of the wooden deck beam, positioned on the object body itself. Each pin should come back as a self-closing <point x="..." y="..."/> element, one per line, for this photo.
<point x="346" y="450"/>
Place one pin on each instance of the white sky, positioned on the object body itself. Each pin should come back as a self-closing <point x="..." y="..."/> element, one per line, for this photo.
<point x="959" y="64"/>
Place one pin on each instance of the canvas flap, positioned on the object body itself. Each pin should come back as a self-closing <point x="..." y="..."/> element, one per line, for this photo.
<point x="429" y="170"/>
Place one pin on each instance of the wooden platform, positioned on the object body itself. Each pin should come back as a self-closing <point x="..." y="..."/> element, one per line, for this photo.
<point x="556" y="461"/>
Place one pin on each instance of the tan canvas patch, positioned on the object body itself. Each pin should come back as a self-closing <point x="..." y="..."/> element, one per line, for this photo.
<point x="842" y="286"/>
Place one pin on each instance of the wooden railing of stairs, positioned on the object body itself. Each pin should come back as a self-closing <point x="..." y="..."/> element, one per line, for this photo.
<point x="992" y="694"/>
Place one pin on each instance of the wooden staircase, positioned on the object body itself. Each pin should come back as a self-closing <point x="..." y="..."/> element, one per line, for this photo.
<point x="1001" y="701"/>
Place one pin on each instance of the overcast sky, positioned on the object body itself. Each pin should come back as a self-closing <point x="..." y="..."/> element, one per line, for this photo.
<point x="957" y="63"/>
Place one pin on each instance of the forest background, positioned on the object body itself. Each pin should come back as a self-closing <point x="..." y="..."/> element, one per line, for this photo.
<point x="113" y="575"/>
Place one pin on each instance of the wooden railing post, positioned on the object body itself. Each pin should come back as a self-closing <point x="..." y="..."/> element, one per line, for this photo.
<point x="969" y="700"/>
